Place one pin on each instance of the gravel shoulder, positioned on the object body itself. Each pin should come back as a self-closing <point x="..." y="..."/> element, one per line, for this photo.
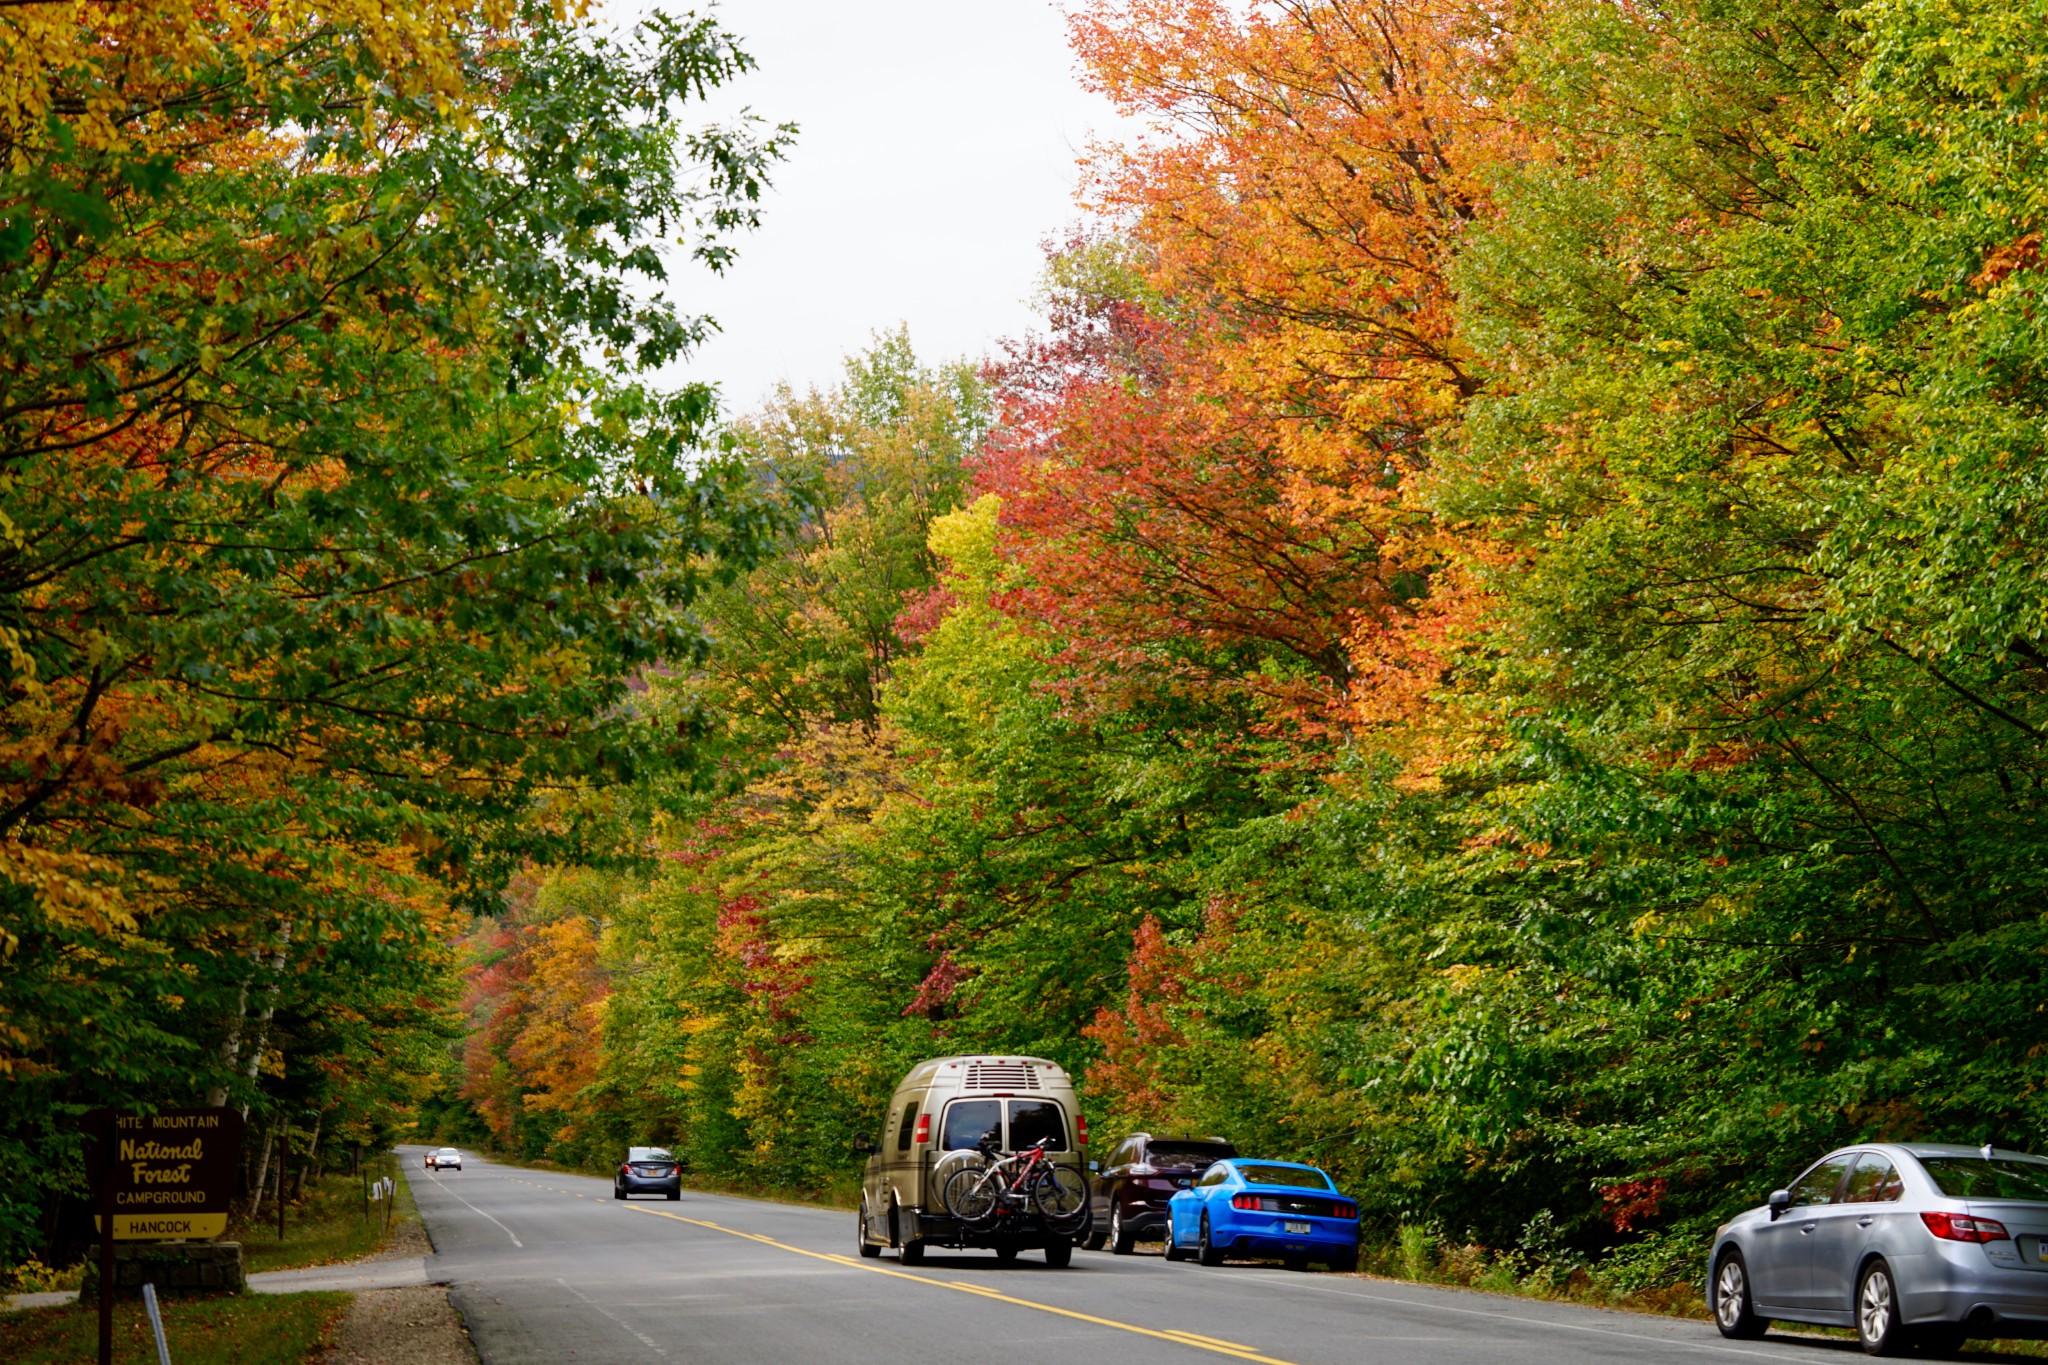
<point x="414" y="1325"/>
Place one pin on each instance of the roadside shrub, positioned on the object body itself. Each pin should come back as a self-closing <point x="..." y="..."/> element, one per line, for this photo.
<point x="1418" y="1253"/>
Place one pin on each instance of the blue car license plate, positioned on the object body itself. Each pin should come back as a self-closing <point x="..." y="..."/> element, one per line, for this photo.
<point x="1297" y="1227"/>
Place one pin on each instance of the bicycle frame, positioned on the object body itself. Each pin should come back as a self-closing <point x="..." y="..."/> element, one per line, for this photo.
<point x="1010" y="1189"/>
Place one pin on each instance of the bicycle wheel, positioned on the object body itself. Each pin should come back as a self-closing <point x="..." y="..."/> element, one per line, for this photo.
<point x="972" y="1196"/>
<point x="1061" y="1197"/>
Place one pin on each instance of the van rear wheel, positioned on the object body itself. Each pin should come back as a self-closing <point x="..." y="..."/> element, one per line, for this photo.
<point x="908" y="1253"/>
<point x="1059" y="1253"/>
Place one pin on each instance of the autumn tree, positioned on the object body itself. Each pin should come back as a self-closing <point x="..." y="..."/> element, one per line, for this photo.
<point x="336" y="523"/>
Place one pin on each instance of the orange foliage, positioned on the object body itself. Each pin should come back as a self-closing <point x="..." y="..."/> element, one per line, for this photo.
<point x="544" y="991"/>
<point x="1313" y="166"/>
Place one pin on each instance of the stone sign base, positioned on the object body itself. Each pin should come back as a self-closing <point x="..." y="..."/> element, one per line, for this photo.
<point x="173" y="1267"/>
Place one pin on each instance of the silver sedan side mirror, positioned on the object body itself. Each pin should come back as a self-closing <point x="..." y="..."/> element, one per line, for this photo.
<point x="1779" y="1201"/>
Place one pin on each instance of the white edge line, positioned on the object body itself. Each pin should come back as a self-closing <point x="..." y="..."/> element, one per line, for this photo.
<point x="645" y="1340"/>
<point x="479" y="1212"/>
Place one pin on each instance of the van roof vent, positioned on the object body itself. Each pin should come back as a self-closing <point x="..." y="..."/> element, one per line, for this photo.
<point x="1000" y="1076"/>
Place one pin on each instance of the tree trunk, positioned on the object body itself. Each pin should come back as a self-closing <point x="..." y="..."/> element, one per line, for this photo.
<point x="310" y="1156"/>
<point x="269" y="1012"/>
<point x="231" y="1046"/>
<point x="262" y="1171"/>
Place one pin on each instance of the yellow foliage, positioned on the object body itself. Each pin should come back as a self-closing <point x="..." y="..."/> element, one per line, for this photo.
<point x="107" y="66"/>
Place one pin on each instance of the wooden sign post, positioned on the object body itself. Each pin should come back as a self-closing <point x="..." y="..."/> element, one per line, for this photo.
<point x="167" y="1176"/>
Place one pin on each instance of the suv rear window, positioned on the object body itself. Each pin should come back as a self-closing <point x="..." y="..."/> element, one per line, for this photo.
<point x="1976" y="1177"/>
<point x="1186" y="1153"/>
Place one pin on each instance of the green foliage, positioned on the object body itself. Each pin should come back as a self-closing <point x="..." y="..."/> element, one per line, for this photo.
<point x="251" y="1329"/>
<point x="338" y="530"/>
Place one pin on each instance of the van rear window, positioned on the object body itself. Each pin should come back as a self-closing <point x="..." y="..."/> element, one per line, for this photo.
<point x="972" y="1123"/>
<point x="1036" y="1123"/>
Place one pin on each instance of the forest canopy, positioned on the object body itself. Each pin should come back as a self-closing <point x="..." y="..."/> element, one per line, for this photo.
<point x="1494" y="640"/>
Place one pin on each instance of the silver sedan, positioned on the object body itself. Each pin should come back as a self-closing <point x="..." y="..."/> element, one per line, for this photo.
<point x="1912" y="1244"/>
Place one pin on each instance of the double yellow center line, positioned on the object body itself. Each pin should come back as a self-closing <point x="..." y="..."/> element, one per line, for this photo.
<point x="1194" y="1339"/>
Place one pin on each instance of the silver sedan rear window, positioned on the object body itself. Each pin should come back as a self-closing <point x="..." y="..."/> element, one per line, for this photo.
<point x="1999" y="1177"/>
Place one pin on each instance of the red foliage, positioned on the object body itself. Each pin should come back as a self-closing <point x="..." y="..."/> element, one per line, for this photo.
<point x="1162" y="530"/>
<point x="935" y="993"/>
<point x="923" y="611"/>
<point x="746" y="939"/>
<point x="1134" y="1040"/>
<point x="1633" y="1200"/>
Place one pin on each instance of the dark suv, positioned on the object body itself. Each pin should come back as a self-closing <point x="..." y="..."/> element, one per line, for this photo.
<point x="1140" y="1176"/>
<point x="648" y="1170"/>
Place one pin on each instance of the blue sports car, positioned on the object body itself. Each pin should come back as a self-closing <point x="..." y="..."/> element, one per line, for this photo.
<point x="1263" y="1208"/>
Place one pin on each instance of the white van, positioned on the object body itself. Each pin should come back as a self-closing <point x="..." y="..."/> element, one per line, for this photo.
<point x="945" y="1110"/>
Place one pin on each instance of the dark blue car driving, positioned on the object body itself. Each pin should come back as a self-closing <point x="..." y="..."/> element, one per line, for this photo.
<point x="1274" y="1209"/>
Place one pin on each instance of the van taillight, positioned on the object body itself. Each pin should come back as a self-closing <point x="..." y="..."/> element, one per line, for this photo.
<point x="1081" y="1126"/>
<point x="924" y="1129"/>
<point x="1955" y="1227"/>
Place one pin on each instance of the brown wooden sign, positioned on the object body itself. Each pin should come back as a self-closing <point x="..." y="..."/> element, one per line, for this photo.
<point x="172" y="1172"/>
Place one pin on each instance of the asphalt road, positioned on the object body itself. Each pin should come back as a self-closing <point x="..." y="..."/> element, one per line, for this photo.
<point x="550" y="1268"/>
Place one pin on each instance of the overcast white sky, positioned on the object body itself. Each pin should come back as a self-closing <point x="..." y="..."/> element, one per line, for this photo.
<point x="937" y="150"/>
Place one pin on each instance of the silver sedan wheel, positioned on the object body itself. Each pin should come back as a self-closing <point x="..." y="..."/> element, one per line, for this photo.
<point x="1874" y="1309"/>
<point x="1729" y="1287"/>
